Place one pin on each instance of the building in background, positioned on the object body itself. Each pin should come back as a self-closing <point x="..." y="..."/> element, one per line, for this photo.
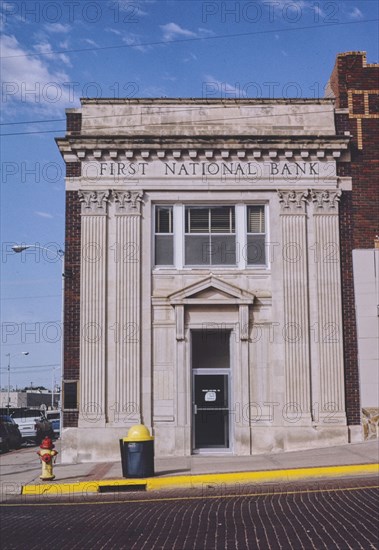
<point x="28" y="398"/>
<point x="355" y="85"/>
<point x="209" y="269"/>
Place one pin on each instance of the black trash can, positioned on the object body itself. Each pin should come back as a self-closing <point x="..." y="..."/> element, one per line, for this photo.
<point x="137" y="453"/>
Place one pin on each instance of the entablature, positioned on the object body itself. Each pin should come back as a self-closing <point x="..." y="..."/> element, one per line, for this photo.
<point x="85" y="148"/>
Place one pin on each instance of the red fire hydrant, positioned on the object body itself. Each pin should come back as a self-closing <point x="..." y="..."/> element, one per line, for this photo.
<point x="47" y="456"/>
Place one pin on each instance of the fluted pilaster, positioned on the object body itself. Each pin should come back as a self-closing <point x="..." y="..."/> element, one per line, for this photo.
<point x="296" y="304"/>
<point x="329" y="307"/>
<point x="128" y="305"/>
<point x="93" y="307"/>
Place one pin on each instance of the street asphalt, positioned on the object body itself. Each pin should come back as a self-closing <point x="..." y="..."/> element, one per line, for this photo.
<point x="327" y="515"/>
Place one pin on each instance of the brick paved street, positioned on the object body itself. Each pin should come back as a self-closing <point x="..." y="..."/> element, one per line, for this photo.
<point x="329" y="515"/>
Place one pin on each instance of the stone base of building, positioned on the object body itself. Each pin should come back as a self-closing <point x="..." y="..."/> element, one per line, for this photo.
<point x="102" y="444"/>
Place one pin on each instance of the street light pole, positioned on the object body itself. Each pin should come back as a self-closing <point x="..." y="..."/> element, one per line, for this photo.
<point x="59" y="254"/>
<point x="9" y="381"/>
<point x="53" y="387"/>
<point x="9" y="376"/>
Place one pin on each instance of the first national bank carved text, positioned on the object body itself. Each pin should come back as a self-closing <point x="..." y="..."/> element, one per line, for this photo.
<point x="167" y="169"/>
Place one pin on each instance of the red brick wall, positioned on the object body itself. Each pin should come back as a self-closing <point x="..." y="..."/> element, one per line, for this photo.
<point x="73" y="169"/>
<point x="74" y="123"/>
<point x="72" y="270"/>
<point x="72" y="296"/>
<point x="359" y="209"/>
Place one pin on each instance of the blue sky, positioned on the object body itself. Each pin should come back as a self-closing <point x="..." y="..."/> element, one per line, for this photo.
<point x="54" y="52"/>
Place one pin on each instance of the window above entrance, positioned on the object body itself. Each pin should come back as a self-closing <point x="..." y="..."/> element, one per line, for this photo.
<point x="164" y="236"/>
<point x="196" y="236"/>
<point x="210" y="237"/>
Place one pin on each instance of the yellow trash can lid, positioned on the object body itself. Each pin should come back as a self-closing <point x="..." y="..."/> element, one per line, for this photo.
<point x="139" y="432"/>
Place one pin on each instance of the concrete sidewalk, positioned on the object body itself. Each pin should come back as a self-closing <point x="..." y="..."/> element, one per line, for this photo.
<point x="20" y="470"/>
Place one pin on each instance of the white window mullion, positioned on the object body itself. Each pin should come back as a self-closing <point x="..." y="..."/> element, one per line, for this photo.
<point x="267" y="229"/>
<point x="178" y="236"/>
<point x="241" y="241"/>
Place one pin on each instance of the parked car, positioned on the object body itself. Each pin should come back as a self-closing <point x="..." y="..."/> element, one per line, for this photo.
<point x="33" y="425"/>
<point x="54" y="418"/>
<point x="4" y="441"/>
<point x="9" y="433"/>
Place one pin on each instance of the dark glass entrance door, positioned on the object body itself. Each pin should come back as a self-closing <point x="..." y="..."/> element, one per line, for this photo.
<point x="211" y="410"/>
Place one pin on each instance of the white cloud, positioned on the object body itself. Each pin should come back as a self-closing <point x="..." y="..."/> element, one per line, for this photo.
<point x="91" y="42"/>
<point x="57" y="28"/>
<point x="64" y="45"/>
<point x="356" y="14"/>
<point x="8" y="14"/>
<point x="153" y="91"/>
<point x="280" y="4"/>
<point x="114" y="31"/>
<point x="205" y="32"/>
<point x="48" y="52"/>
<point x="318" y="10"/>
<point x="43" y="214"/>
<point x="172" y="31"/>
<point x="217" y="88"/>
<point x="169" y="77"/>
<point x="134" y="40"/>
<point x="29" y="82"/>
<point x="191" y="57"/>
<point x="130" y="9"/>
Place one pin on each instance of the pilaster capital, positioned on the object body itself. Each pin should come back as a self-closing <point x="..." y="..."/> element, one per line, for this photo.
<point x="94" y="202"/>
<point x="293" y="202"/>
<point x="326" y="201"/>
<point x="128" y="202"/>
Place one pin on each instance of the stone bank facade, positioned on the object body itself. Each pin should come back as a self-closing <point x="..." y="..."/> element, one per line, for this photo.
<point x="205" y="241"/>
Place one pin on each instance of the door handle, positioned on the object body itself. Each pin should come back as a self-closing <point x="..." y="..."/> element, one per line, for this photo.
<point x="194" y="408"/>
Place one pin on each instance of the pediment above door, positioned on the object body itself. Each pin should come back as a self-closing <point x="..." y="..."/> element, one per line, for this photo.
<point x="211" y="290"/>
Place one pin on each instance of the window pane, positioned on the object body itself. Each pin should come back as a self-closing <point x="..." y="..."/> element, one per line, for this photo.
<point x="197" y="220"/>
<point x="256" y="251"/>
<point x="164" y="250"/>
<point x="210" y="348"/>
<point x="222" y="219"/>
<point x="163" y="219"/>
<point x="255" y="219"/>
<point x="223" y="250"/>
<point x="197" y="250"/>
<point x="70" y="400"/>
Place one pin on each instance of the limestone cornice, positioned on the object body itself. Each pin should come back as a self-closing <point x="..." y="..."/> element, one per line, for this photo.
<point x="203" y="101"/>
<point x="145" y="148"/>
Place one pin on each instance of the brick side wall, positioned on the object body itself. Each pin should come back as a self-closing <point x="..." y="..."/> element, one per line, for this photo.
<point x="74" y="123"/>
<point x="73" y="169"/>
<point x="353" y="406"/>
<point x="359" y="209"/>
<point x="72" y="296"/>
<point x="70" y="419"/>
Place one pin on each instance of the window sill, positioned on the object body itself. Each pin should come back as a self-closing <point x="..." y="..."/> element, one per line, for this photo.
<point x="211" y="269"/>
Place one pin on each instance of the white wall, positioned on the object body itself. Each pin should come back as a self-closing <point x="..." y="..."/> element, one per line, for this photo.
<point x="366" y="286"/>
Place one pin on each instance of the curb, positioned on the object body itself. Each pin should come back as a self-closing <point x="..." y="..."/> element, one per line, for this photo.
<point x="197" y="481"/>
